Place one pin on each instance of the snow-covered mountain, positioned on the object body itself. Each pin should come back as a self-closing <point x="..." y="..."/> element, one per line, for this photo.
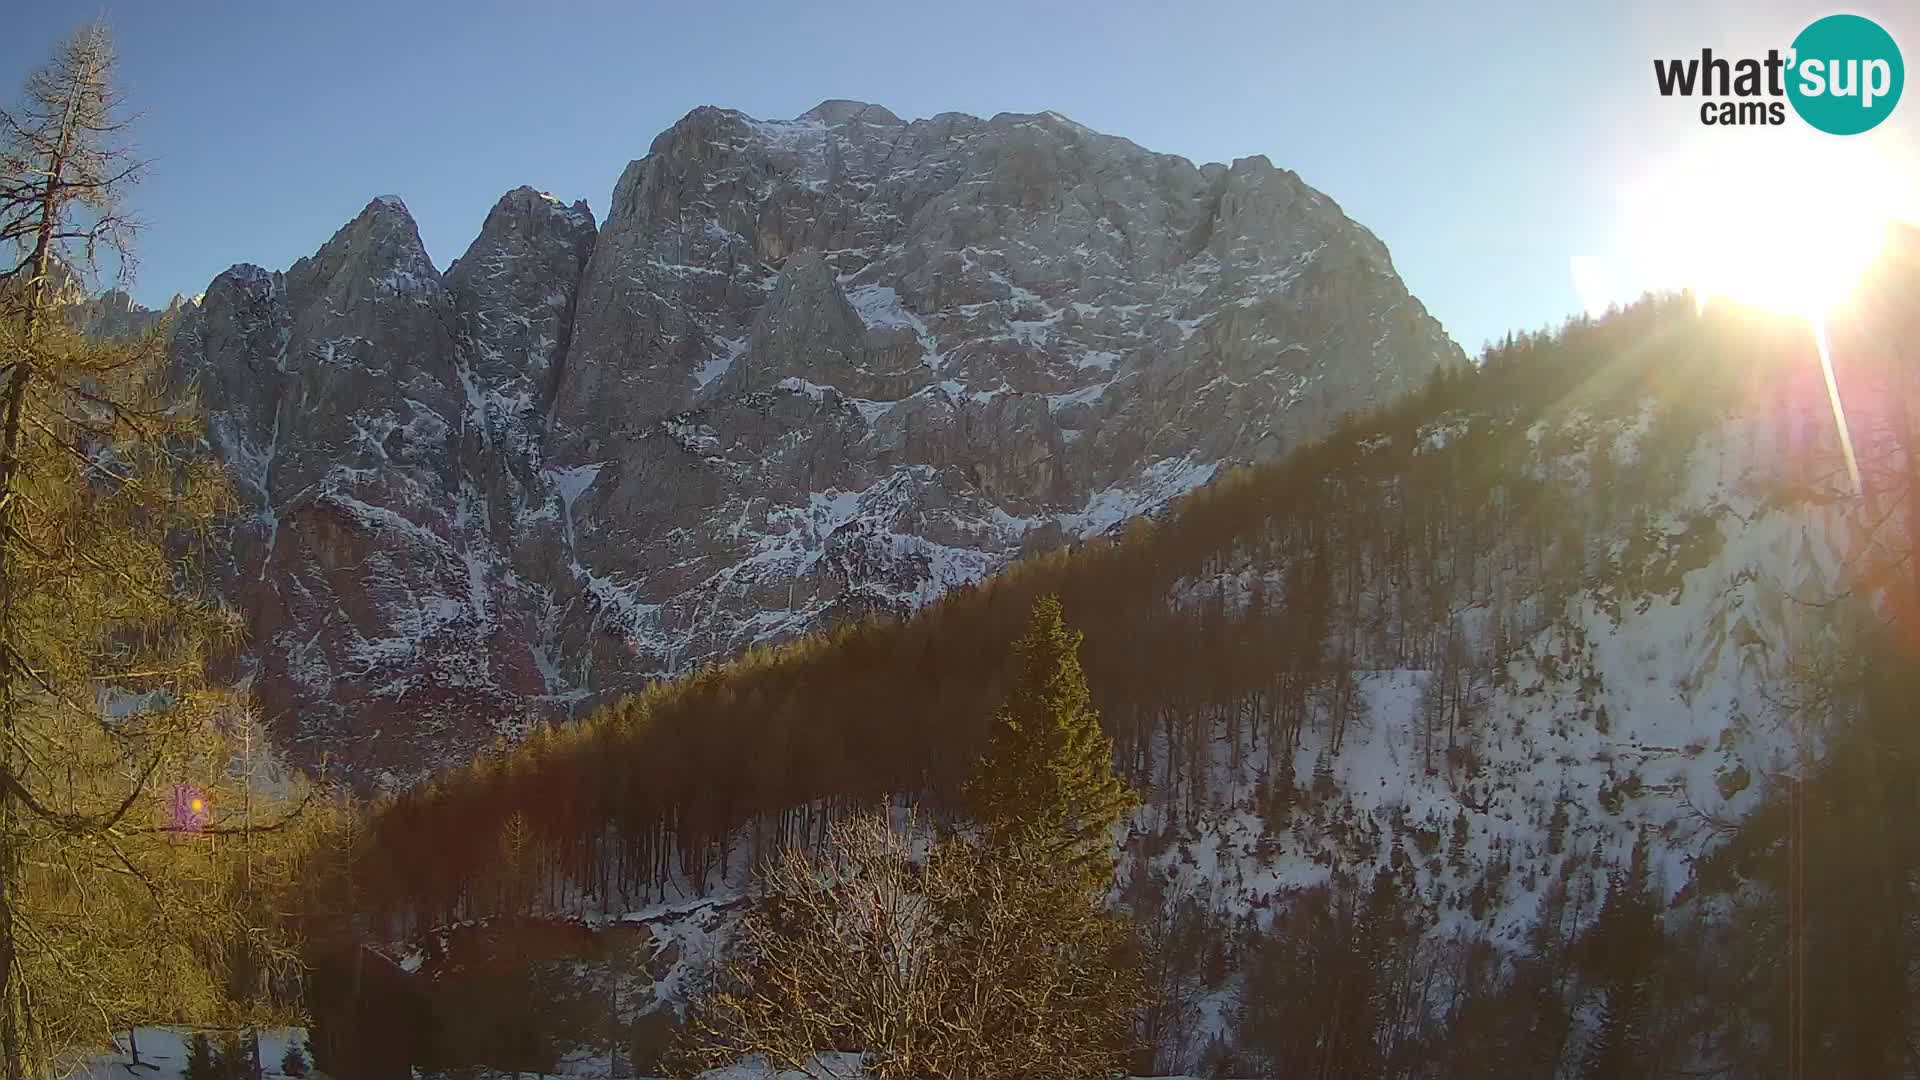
<point x="805" y="369"/>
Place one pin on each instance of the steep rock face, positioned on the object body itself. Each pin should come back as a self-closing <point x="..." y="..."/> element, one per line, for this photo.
<point x="113" y="314"/>
<point x="513" y="307"/>
<point x="362" y="441"/>
<point x="513" y="300"/>
<point x="845" y="362"/>
<point x="806" y="369"/>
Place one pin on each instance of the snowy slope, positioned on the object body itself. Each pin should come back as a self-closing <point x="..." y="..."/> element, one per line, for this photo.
<point x="1639" y="701"/>
<point x="164" y="1050"/>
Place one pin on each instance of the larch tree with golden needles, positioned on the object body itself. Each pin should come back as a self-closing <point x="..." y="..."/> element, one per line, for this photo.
<point x="118" y="870"/>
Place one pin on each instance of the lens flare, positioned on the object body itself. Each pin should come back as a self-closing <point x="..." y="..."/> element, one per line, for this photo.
<point x="189" y="809"/>
<point x="1789" y="223"/>
<point x="1833" y="400"/>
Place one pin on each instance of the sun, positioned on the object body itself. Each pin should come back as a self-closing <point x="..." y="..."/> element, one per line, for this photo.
<point x="1783" y="223"/>
<point x="1789" y="223"/>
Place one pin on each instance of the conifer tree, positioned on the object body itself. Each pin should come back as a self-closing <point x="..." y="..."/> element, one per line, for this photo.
<point x="1626" y="942"/>
<point x="1286" y="792"/>
<point x="1457" y="847"/>
<point x="1047" y="775"/>
<point x="1557" y="826"/>
<point x="113" y="906"/>
<point x="203" y="1063"/>
<point x="294" y="1061"/>
<point x="237" y="1053"/>
<point x="1324" y="785"/>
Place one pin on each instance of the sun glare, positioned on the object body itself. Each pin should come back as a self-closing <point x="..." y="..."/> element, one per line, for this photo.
<point x="1788" y="226"/>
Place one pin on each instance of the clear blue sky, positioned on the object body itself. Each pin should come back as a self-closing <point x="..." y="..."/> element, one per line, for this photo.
<point x="1485" y="144"/>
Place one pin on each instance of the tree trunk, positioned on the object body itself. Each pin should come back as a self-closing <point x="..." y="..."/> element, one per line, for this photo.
<point x="12" y="1056"/>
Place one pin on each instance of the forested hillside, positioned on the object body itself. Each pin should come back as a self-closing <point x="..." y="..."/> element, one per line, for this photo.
<point x="1464" y="734"/>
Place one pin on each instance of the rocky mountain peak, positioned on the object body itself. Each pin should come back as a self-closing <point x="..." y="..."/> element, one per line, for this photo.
<point x="835" y="111"/>
<point x="805" y="369"/>
<point x="383" y="238"/>
<point x="513" y="290"/>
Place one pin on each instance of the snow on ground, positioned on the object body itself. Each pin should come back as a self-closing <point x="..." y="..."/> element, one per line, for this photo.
<point x="826" y="1067"/>
<point x="163" y="1054"/>
<point x="719" y="363"/>
<point x="1624" y="707"/>
<point x="1626" y="710"/>
<point x="1161" y="483"/>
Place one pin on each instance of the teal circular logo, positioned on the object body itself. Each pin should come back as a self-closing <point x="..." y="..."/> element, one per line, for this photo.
<point x="1845" y="74"/>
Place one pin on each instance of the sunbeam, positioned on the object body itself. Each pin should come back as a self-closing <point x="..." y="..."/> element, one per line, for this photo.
<point x="1819" y="326"/>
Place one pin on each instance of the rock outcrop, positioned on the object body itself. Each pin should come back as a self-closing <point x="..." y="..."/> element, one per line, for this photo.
<point x="805" y="370"/>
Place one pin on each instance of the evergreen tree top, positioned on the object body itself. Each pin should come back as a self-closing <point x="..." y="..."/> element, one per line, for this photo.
<point x="1047" y="774"/>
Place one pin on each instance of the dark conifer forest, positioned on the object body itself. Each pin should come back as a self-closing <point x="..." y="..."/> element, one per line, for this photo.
<point x="1222" y="644"/>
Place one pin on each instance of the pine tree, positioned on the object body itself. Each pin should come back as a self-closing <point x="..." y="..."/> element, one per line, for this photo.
<point x="1626" y="941"/>
<point x="246" y="1065"/>
<point x="1324" y="785"/>
<point x="202" y="1062"/>
<point x="1286" y="791"/>
<point x="1433" y="706"/>
<point x="1557" y="825"/>
<point x="294" y="1061"/>
<point x="233" y="1057"/>
<point x="1047" y="775"/>
<point x="1381" y="929"/>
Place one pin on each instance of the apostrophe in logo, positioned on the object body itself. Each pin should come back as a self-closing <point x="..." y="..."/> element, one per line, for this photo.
<point x="1842" y="74"/>
<point x="1847" y="74"/>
